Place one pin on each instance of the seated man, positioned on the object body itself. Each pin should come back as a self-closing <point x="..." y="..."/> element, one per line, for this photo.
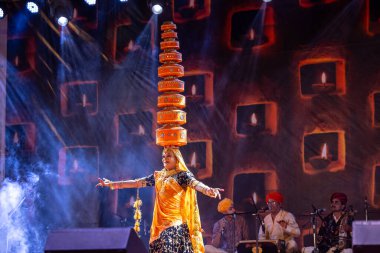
<point x="227" y="231"/>
<point x="279" y="224"/>
<point x="335" y="232"/>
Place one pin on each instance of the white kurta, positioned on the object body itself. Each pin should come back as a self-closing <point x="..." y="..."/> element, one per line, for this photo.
<point x="274" y="231"/>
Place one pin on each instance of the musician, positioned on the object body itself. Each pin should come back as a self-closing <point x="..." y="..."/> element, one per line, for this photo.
<point x="335" y="232"/>
<point x="279" y="224"/>
<point x="227" y="231"/>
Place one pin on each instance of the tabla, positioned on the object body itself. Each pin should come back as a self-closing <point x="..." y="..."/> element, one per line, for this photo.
<point x="265" y="246"/>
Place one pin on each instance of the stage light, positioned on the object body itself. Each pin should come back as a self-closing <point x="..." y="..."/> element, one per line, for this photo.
<point x="90" y="2"/>
<point x="61" y="11"/>
<point x="3" y="10"/>
<point x="267" y="1"/>
<point x="157" y="9"/>
<point x="32" y="7"/>
<point x="123" y="1"/>
<point x="2" y="13"/>
<point x="62" y="21"/>
<point x="157" y="6"/>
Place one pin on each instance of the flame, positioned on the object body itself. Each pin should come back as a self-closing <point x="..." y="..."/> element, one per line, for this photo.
<point x="251" y="34"/>
<point x="75" y="165"/>
<point x="131" y="200"/>
<point x="17" y="61"/>
<point x="84" y="100"/>
<point x="253" y="119"/>
<point x="193" y="160"/>
<point x="75" y="13"/>
<point x="192" y="3"/>
<point x="324" y="151"/>
<point x="141" y="130"/>
<point x="254" y="197"/>
<point x="193" y="90"/>
<point x="16" y="138"/>
<point x="323" y="78"/>
<point x="131" y="45"/>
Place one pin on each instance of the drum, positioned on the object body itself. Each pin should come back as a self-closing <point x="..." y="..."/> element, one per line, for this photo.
<point x="264" y="246"/>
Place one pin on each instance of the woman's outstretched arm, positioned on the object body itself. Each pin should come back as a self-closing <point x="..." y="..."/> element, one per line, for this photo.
<point x="186" y="178"/>
<point x="135" y="183"/>
<point x="206" y="190"/>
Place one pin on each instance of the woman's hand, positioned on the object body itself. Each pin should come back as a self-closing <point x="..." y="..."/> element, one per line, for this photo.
<point x="214" y="192"/>
<point x="103" y="182"/>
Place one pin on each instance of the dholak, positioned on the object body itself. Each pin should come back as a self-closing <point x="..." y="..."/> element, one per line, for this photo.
<point x="267" y="246"/>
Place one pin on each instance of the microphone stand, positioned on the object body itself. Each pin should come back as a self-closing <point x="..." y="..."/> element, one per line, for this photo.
<point x="314" y="215"/>
<point x="314" y="225"/>
<point x="366" y="208"/>
<point x="234" y="243"/>
<point x="257" y="220"/>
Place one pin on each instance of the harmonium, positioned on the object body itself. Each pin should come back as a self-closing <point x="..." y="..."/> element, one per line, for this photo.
<point x="261" y="246"/>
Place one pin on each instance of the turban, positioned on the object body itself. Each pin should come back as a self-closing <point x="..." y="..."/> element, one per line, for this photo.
<point x="224" y="205"/>
<point x="276" y="196"/>
<point x="339" y="195"/>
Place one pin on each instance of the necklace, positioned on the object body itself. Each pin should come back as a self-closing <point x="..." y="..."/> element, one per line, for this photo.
<point x="167" y="173"/>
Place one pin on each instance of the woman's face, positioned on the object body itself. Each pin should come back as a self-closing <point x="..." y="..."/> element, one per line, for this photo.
<point x="169" y="160"/>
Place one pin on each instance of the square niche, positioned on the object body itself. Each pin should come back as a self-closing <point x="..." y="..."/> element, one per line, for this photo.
<point x="322" y="77"/>
<point x="79" y="97"/>
<point x="312" y="3"/>
<point x="323" y="152"/>
<point x="130" y="37"/>
<point x="133" y="127"/>
<point x="85" y="16"/>
<point x="250" y="28"/>
<point x="375" y="104"/>
<point x="372" y="17"/>
<point x="247" y="187"/>
<point x="187" y="10"/>
<point x="256" y="119"/>
<point x="198" y="157"/>
<point x="78" y="165"/>
<point x="375" y="188"/>
<point x="199" y="88"/>
<point x="21" y="54"/>
<point x="20" y="137"/>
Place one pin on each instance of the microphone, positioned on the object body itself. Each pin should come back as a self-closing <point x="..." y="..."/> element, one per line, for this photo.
<point x="365" y="202"/>
<point x="318" y="210"/>
<point x="351" y="209"/>
<point x="263" y="209"/>
<point x="222" y="233"/>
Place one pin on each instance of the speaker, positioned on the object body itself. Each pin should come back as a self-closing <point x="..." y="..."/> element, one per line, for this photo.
<point x="365" y="236"/>
<point x="86" y="240"/>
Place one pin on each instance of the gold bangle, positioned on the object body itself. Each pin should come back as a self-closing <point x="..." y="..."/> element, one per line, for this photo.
<point x="114" y="186"/>
<point x="205" y="190"/>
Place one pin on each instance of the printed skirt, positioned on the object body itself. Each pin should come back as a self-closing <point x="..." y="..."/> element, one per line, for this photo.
<point x="174" y="239"/>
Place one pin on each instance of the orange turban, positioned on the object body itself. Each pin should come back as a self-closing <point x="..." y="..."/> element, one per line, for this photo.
<point x="224" y="204"/>
<point x="276" y="196"/>
<point x="339" y="195"/>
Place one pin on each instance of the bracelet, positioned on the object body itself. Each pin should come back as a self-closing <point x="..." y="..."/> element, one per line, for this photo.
<point x="205" y="189"/>
<point x="114" y="185"/>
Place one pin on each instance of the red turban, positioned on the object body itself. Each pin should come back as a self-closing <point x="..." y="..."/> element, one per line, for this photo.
<point x="276" y="196"/>
<point x="339" y="195"/>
